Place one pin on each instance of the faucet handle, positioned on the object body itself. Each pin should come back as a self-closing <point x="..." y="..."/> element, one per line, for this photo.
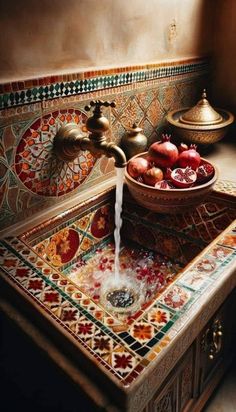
<point x="98" y="123"/>
<point x="97" y="104"/>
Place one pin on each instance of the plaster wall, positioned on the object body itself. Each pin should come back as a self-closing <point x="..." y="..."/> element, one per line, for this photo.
<point x="46" y="37"/>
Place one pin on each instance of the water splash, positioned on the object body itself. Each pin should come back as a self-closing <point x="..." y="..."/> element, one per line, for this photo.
<point x="118" y="220"/>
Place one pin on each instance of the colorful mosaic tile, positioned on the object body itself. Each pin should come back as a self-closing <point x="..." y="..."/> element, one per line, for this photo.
<point x="35" y="163"/>
<point x="226" y="187"/>
<point x="63" y="245"/>
<point x="32" y="178"/>
<point x="123" y="346"/>
<point x="49" y="89"/>
<point x="176" y="297"/>
<point x="182" y="236"/>
<point x="230" y="239"/>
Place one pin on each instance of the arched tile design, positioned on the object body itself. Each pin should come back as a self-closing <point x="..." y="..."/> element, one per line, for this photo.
<point x="35" y="163"/>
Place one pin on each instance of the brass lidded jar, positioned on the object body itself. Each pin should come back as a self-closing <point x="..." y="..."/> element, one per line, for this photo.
<point x="200" y="124"/>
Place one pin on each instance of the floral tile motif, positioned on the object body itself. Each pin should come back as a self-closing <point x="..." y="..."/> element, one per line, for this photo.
<point x="206" y="265"/>
<point x="229" y="239"/>
<point x="123" y="352"/>
<point x="142" y="332"/>
<point x="102" y="344"/>
<point x="220" y="252"/>
<point x="36" y="165"/>
<point x="78" y="237"/>
<point x="61" y="247"/>
<point x="208" y="268"/>
<point x="122" y="361"/>
<point x="176" y="297"/>
<point x="159" y="316"/>
<point x="195" y="280"/>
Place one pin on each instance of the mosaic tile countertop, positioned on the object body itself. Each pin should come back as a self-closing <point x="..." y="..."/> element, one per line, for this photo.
<point x="46" y="266"/>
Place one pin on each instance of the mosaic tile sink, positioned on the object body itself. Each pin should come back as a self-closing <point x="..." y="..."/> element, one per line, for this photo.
<point x="58" y="269"/>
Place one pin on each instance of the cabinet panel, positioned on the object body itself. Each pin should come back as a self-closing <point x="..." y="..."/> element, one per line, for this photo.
<point x="216" y="343"/>
<point x="166" y="402"/>
<point x="186" y="381"/>
<point x="177" y="391"/>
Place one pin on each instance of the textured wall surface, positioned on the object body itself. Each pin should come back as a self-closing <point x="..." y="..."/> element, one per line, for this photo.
<point x="53" y="36"/>
<point x="31" y="177"/>
<point x="57" y="57"/>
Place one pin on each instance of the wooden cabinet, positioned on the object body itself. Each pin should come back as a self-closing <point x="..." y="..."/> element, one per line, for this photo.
<point x="176" y="394"/>
<point x="196" y="375"/>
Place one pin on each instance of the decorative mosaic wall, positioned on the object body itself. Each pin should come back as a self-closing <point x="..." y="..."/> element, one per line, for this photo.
<point x="31" y="178"/>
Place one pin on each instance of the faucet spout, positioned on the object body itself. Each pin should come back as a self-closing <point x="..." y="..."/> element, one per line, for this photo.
<point x="69" y="140"/>
<point x="117" y="153"/>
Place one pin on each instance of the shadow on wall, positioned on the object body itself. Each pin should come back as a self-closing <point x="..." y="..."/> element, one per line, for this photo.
<point x="224" y="55"/>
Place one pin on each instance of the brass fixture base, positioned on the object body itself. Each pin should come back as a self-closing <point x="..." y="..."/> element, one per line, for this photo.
<point x="70" y="140"/>
<point x="66" y="141"/>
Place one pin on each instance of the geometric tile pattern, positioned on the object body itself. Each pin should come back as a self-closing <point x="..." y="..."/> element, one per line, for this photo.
<point x="123" y="347"/>
<point x="53" y="88"/>
<point x="31" y="178"/>
<point x="225" y="186"/>
<point x="182" y="236"/>
<point x="125" y="353"/>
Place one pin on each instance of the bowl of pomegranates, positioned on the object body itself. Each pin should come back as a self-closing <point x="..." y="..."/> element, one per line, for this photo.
<point x="170" y="179"/>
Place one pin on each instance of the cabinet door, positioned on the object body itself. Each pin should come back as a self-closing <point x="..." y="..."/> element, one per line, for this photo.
<point x="216" y="344"/>
<point x="167" y="399"/>
<point x="176" y="394"/>
<point x="187" y="381"/>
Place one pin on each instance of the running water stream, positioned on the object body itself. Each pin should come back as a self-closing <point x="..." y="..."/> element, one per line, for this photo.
<point x="118" y="220"/>
<point x="119" y="292"/>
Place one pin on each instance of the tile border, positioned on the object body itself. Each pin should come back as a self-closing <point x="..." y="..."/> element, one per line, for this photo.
<point x="54" y="87"/>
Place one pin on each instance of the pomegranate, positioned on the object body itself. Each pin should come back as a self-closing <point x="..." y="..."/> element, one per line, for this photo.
<point x="167" y="173"/>
<point x="205" y="172"/>
<point x="164" y="184"/>
<point x="152" y="176"/>
<point x="182" y="147"/>
<point x="136" y="167"/>
<point x="183" y="178"/>
<point x="163" y="153"/>
<point x="190" y="158"/>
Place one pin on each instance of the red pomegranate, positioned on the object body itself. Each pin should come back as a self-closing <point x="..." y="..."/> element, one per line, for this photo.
<point x="182" y="147"/>
<point x="189" y="158"/>
<point x="205" y="172"/>
<point x="163" y="153"/>
<point x="183" y="178"/>
<point x="167" y="173"/>
<point x="136" y="167"/>
<point x="152" y="176"/>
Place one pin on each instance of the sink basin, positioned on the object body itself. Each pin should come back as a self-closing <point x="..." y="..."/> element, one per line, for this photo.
<point x="57" y="269"/>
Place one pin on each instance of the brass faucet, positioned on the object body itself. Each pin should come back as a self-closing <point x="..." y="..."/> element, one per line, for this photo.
<point x="69" y="141"/>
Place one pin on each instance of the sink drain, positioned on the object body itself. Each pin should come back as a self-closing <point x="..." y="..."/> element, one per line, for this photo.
<point x="121" y="298"/>
<point x="123" y="295"/>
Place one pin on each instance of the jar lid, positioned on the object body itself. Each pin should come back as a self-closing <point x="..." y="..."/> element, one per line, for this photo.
<point x="134" y="129"/>
<point x="201" y="114"/>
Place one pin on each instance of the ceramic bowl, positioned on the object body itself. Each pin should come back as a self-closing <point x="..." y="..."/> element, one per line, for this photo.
<point x="171" y="201"/>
